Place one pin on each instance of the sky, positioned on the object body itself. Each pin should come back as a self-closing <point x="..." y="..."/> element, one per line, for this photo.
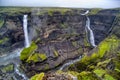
<point x="63" y="3"/>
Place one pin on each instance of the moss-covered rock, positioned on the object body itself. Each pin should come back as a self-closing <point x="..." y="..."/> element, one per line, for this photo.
<point x="86" y="75"/>
<point x="26" y="52"/>
<point x="106" y="46"/>
<point x="56" y="53"/>
<point x="103" y="74"/>
<point x="36" y="57"/>
<point x="37" y="77"/>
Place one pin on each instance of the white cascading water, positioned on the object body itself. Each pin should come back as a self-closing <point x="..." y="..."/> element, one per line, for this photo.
<point x="89" y="30"/>
<point x="85" y="12"/>
<point x="27" y="43"/>
<point x="91" y="35"/>
<point x="70" y="62"/>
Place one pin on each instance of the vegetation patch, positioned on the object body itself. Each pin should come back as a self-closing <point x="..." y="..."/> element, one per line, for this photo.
<point x="94" y="11"/>
<point x="1" y="23"/>
<point x="51" y="11"/>
<point x="14" y="11"/>
<point x="26" y="52"/>
<point x="56" y="53"/>
<point x="38" y="76"/>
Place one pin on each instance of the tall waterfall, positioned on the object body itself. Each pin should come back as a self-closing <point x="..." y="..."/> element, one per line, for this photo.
<point x="90" y="33"/>
<point x="27" y="43"/>
<point x="89" y="30"/>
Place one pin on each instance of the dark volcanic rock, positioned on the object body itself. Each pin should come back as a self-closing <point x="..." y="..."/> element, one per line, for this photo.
<point x="11" y="33"/>
<point x="101" y="26"/>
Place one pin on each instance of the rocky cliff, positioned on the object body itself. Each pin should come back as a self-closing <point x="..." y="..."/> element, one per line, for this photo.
<point x="58" y="35"/>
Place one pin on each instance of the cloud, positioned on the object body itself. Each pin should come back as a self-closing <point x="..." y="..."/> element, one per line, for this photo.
<point x="63" y="3"/>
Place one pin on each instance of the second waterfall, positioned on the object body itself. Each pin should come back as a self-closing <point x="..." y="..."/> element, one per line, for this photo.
<point x="90" y="33"/>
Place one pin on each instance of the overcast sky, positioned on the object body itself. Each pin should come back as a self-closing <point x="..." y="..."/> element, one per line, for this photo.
<point x="63" y="3"/>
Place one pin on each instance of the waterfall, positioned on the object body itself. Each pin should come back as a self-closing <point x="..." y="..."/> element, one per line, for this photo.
<point x="85" y="12"/>
<point x="89" y="30"/>
<point x="91" y="35"/>
<point x="27" y="43"/>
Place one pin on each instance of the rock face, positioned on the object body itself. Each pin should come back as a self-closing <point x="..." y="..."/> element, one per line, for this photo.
<point x="61" y="37"/>
<point x="11" y="33"/>
<point x="58" y="35"/>
<point x="105" y="60"/>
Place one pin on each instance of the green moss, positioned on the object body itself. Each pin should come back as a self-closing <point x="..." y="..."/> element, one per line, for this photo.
<point x="94" y="11"/>
<point x="2" y="41"/>
<point x="14" y="11"/>
<point x="8" y="68"/>
<point x="86" y="75"/>
<point x="117" y="64"/>
<point x="99" y="72"/>
<point x="105" y="46"/>
<point x="26" y="52"/>
<point x="36" y="57"/>
<point x="73" y="73"/>
<point x="1" y="23"/>
<point x="56" y="53"/>
<point x="108" y="77"/>
<point x="103" y="63"/>
<point x="50" y="11"/>
<point x="37" y="77"/>
<point x="103" y="74"/>
<point x="42" y="56"/>
<point x="86" y="43"/>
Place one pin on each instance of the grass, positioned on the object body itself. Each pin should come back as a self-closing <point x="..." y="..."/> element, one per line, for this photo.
<point x="50" y="11"/>
<point x="14" y="10"/>
<point x="94" y="11"/>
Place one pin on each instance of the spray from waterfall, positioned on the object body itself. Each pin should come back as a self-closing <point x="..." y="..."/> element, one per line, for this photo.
<point x="27" y="43"/>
